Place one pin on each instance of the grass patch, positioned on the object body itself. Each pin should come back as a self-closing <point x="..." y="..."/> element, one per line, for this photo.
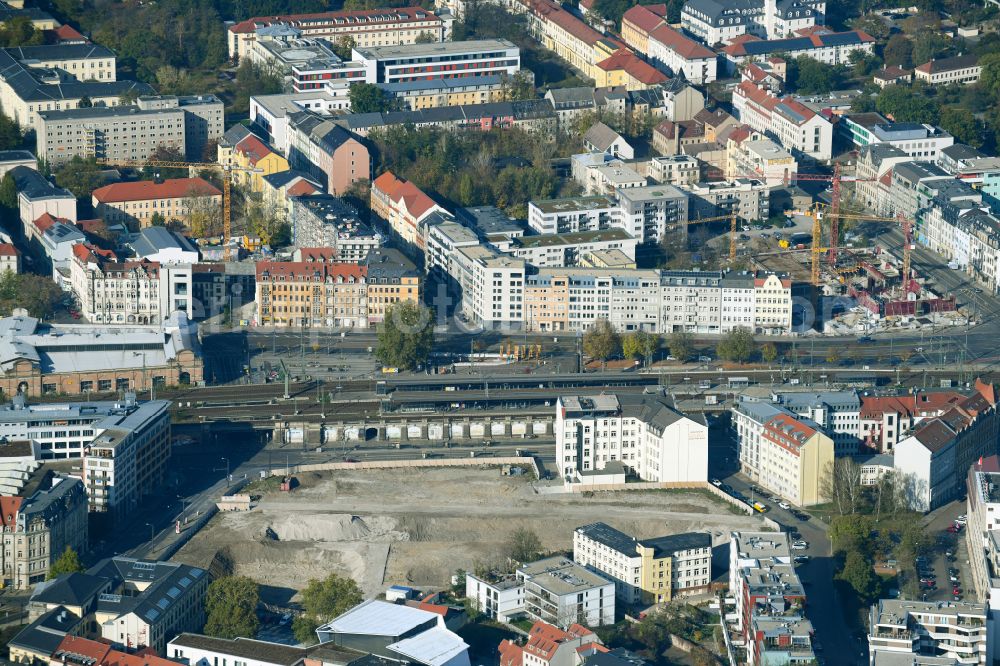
<point x="524" y="624"/>
<point x="270" y="484"/>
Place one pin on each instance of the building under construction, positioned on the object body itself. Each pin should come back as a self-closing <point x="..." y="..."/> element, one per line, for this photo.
<point x="877" y="283"/>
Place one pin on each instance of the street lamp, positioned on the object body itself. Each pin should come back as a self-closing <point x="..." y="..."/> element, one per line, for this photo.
<point x="227" y="468"/>
<point x="150" y="526"/>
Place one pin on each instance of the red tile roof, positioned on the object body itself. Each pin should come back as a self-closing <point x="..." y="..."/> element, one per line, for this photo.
<point x="553" y="12"/>
<point x="511" y="654"/>
<point x="254" y="149"/>
<point x="251" y="25"/>
<point x="81" y="648"/>
<point x="172" y="188"/>
<point x="9" y="506"/>
<point x="544" y="639"/>
<point x="988" y="391"/>
<point x="683" y="46"/>
<point x="321" y="254"/>
<point x="308" y="270"/>
<point x="143" y="658"/>
<point x="413" y="198"/>
<point x="644" y="18"/>
<point x="303" y="187"/>
<point x="787" y="432"/>
<point x="634" y="66"/>
<point x="8" y="250"/>
<point x="45" y="221"/>
<point x="761" y="98"/>
<point x="68" y="33"/>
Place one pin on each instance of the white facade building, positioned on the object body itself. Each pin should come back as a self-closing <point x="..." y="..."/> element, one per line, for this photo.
<point x="501" y="599"/>
<point x="641" y="432"/>
<point x="788" y="121"/>
<point x="492" y="285"/>
<point x="563" y="593"/>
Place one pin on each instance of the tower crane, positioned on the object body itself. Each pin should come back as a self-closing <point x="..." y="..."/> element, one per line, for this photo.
<point x="227" y="176"/>
<point x="732" y="228"/>
<point x="817" y="233"/>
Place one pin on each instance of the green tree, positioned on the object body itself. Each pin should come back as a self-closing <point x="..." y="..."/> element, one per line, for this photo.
<point x="426" y="37"/>
<point x="37" y="294"/>
<point x="898" y="51"/>
<point x="873" y="25"/>
<point x="19" y="31"/>
<point x="737" y="345"/>
<point x="602" y="341"/>
<point x="963" y="125"/>
<point x="523" y="545"/>
<point x="81" y="176"/>
<point x="231" y="608"/>
<point x="990" y="77"/>
<point x="517" y="87"/>
<point x="68" y="562"/>
<point x="929" y="44"/>
<point x="344" y="47"/>
<point x="323" y="600"/>
<point x="640" y="344"/>
<point x="405" y="336"/>
<point x="862" y="63"/>
<point x="906" y="104"/>
<point x="850" y="533"/>
<point x="858" y="573"/>
<point x="813" y="76"/>
<point x="157" y="220"/>
<point x="681" y="345"/>
<point x="8" y="199"/>
<point x="369" y="98"/>
<point x="769" y="352"/>
<point x="11" y="135"/>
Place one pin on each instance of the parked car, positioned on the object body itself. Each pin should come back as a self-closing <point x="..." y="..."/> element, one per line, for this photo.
<point x="954" y="579"/>
<point x="798" y="546"/>
<point x="716" y="483"/>
<point x="957" y="597"/>
<point x="785" y="505"/>
<point x="801" y="559"/>
<point x="801" y="543"/>
<point x="954" y="529"/>
<point x="705" y="359"/>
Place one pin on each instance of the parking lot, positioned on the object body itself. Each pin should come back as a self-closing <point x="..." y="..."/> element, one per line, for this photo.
<point x="947" y="560"/>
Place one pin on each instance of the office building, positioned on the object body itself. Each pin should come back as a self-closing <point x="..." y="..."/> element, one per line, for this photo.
<point x="499" y="598"/>
<point x="492" y="285"/>
<point x="375" y="27"/>
<point x="962" y="69"/>
<point x="646" y="571"/>
<point x="138" y="203"/>
<point x="562" y="593"/>
<point x="831" y="48"/>
<point x="642" y="433"/>
<point x="446" y="60"/>
<point x="713" y="22"/>
<point x="565" y="250"/>
<point x="748" y="197"/>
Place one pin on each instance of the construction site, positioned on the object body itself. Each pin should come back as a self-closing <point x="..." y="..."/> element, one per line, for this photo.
<point x="416" y="527"/>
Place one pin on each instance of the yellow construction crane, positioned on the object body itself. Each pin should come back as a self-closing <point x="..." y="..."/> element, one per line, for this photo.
<point x="732" y="229"/>
<point x="227" y="176"/>
<point x="817" y="237"/>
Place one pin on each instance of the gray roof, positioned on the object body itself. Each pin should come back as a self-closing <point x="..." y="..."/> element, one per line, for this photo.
<point x="917" y="171"/>
<point x="56" y="494"/>
<point x="16" y="155"/>
<point x="73" y="589"/>
<point x="389" y="263"/>
<point x="960" y="151"/>
<point x="272" y="653"/>
<point x="601" y="136"/>
<point x="45" y="634"/>
<point x="35" y="186"/>
<point x="235" y="134"/>
<point x="153" y="239"/>
<point x="877" y="152"/>
<point x="283" y="178"/>
<point x="25" y="83"/>
<point x="167" y="582"/>
<point x="836" y="399"/>
<point x="60" y="52"/>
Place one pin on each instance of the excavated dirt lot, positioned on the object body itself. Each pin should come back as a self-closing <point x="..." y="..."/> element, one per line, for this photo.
<point x="417" y="527"/>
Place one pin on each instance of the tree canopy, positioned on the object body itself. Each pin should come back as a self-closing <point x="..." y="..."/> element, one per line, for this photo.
<point x="68" y="562"/>
<point x="523" y="545"/>
<point x="640" y="344"/>
<point x="899" y="51"/>
<point x="323" y="600"/>
<point x="231" y="608"/>
<point x="405" y="336"/>
<point x="81" y="176"/>
<point x="602" y="341"/>
<point x="737" y="345"/>
<point x="369" y="98"/>
<point x="37" y="294"/>
<point x="681" y="344"/>
<point x="808" y="75"/>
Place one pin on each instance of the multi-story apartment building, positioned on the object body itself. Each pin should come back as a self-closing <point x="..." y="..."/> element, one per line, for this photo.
<point x="309" y="63"/>
<point x="760" y="158"/>
<point x="551" y="646"/>
<point x="641" y="433"/>
<point x="950" y="630"/>
<point x="574" y="299"/>
<point x="912" y="187"/>
<point x="983" y="487"/>
<point x="131" y="133"/>
<point x="937" y="455"/>
<point x="646" y="571"/>
<point x="680" y="170"/>
<point x="492" y="284"/>
<point x="149" y="603"/>
<point x="254" y="160"/>
<point x="832" y="48"/>
<point x="714" y="22"/>
<point x="445" y="60"/>
<point x="36" y="197"/>
<point x="565" y="250"/>
<point x="48" y="516"/>
<point x="322" y="220"/>
<point x="646" y="30"/>
<point x="498" y="598"/>
<point x="116" y="292"/>
<point x="748" y="197"/>
<point x="794" y="456"/>
<point x="326" y="151"/>
<point x="570" y="215"/>
<point x="311" y="294"/>
<point x="137" y="203"/>
<point x="961" y="69"/>
<point x="770" y="599"/>
<point x="837" y="412"/>
<point x="10" y="258"/>
<point x="377" y="27"/>
<point x="392" y="279"/>
<point x="884" y="420"/>
<point x="58" y="77"/>
<point x="76" y="359"/>
<point x="128" y="459"/>
<point x="442" y="239"/>
<point x="652" y="212"/>
<point x="438" y="93"/>
<point x="786" y="120"/>
<point x="563" y="593"/>
<point x="874" y="171"/>
<point x="403" y="205"/>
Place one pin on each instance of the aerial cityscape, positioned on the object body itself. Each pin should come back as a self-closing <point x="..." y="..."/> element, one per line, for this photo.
<point x="500" y="333"/>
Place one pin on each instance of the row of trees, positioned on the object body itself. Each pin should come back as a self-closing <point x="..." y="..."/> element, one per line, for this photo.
<point x="603" y="342"/>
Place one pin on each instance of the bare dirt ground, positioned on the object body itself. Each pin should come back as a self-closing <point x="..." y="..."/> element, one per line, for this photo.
<point x="417" y="527"/>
